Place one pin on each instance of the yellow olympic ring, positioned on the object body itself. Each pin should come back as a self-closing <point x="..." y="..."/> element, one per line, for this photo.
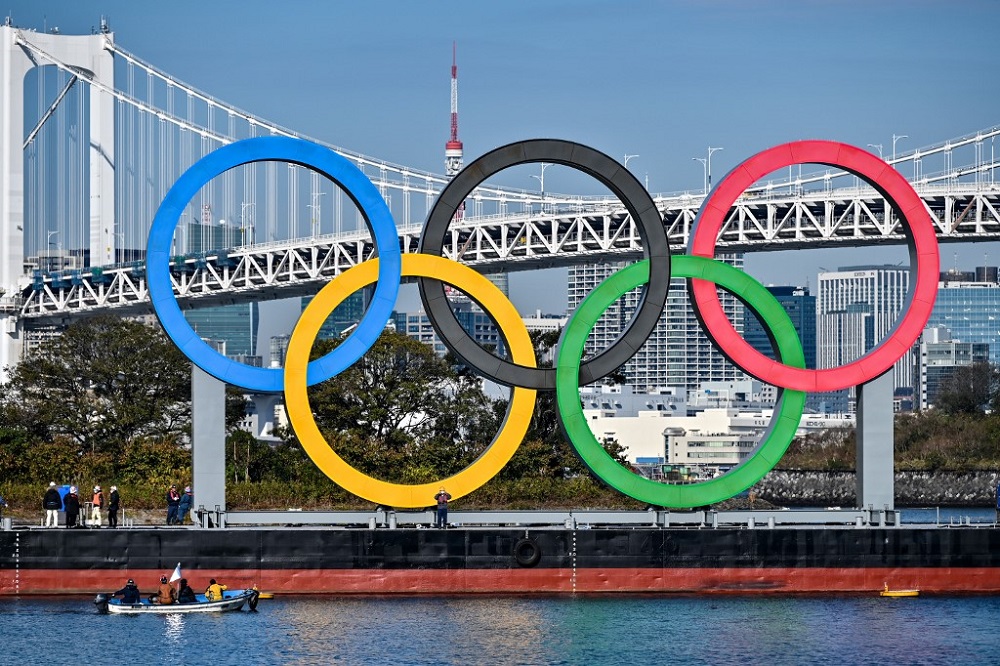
<point x="485" y="467"/>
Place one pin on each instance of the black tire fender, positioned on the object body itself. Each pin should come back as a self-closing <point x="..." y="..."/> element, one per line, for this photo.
<point x="527" y="552"/>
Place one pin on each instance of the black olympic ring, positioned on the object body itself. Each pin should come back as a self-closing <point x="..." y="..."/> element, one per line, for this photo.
<point x="629" y="191"/>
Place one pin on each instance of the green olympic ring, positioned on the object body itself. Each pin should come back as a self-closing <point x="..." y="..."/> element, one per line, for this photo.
<point x="784" y="421"/>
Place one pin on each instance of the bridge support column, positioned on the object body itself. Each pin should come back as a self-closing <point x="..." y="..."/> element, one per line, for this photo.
<point x="874" y="435"/>
<point x="86" y="52"/>
<point x="208" y="443"/>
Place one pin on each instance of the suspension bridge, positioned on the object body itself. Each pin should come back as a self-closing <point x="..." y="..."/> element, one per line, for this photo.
<point x="93" y="137"/>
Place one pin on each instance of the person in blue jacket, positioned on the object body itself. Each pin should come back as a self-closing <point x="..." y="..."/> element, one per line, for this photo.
<point x="129" y="593"/>
<point x="186" y="502"/>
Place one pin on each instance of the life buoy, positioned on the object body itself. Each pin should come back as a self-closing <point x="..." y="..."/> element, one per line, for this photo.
<point x="527" y="553"/>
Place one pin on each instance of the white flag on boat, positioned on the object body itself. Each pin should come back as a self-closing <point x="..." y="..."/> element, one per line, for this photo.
<point x="176" y="575"/>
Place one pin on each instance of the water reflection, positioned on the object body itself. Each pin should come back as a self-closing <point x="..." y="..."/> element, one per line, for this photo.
<point x="175" y="628"/>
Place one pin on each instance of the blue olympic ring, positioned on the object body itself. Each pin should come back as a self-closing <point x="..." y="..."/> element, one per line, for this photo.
<point x="319" y="159"/>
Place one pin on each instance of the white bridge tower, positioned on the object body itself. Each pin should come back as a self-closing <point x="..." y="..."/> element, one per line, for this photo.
<point x="91" y="54"/>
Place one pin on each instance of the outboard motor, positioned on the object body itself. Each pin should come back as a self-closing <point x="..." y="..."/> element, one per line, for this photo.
<point x="101" y="601"/>
<point x="252" y="601"/>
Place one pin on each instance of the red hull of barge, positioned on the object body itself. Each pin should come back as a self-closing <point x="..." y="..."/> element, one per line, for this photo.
<point x="525" y="581"/>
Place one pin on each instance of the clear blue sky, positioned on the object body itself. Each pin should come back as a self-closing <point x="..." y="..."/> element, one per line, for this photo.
<point x="663" y="80"/>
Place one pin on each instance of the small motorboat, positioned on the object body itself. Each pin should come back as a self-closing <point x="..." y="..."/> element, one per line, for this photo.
<point x="231" y="601"/>
<point x="886" y="592"/>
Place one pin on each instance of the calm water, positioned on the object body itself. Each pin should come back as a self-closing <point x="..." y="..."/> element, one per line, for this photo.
<point x="516" y="630"/>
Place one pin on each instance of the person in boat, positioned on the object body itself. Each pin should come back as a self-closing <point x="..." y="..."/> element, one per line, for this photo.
<point x="214" y="591"/>
<point x="185" y="595"/>
<point x="129" y="593"/>
<point x="166" y="594"/>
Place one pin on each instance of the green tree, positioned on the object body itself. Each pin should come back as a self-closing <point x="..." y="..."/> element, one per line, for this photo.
<point x="970" y="389"/>
<point x="402" y="413"/>
<point x="101" y="384"/>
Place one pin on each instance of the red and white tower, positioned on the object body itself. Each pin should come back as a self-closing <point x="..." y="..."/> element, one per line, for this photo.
<point x="453" y="149"/>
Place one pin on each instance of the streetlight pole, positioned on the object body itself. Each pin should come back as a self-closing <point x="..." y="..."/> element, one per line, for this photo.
<point x="708" y="167"/>
<point x="704" y="172"/>
<point x="243" y="220"/>
<point x="48" y="239"/>
<point x="317" y="211"/>
<point x="878" y="147"/>
<point x="707" y="164"/>
<point x="627" y="158"/>
<point x="894" y="140"/>
<point x="541" y="181"/>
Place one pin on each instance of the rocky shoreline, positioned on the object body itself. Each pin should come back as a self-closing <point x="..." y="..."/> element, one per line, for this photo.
<point x="813" y="488"/>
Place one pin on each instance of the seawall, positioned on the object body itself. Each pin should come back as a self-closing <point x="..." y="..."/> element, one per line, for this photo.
<point x="815" y="488"/>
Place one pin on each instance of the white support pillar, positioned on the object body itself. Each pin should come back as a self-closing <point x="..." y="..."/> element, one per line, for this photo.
<point x="13" y="66"/>
<point x="102" y="160"/>
<point x="875" y="452"/>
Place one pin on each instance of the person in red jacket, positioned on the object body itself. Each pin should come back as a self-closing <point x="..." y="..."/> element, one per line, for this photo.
<point x="173" y="502"/>
<point x="98" y="504"/>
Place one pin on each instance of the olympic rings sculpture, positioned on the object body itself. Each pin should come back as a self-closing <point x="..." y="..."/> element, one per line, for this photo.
<point x="652" y="274"/>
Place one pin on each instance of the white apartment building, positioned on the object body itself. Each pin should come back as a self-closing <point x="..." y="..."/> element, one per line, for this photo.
<point x="717" y="437"/>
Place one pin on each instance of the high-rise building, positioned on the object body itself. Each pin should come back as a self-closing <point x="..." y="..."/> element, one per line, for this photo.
<point x="856" y="308"/>
<point x="939" y="357"/>
<point x="677" y="353"/>
<point x="236" y="325"/>
<point x="968" y="304"/>
<point x="801" y="309"/>
<point x="475" y="322"/>
<point x="345" y="315"/>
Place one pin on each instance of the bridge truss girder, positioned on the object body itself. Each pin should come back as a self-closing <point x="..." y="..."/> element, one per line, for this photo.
<point x="279" y="270"/>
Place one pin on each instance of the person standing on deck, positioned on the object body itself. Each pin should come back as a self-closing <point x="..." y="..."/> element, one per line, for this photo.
<point x="442" y="507"/>
<point x="53" y="504"/>
<point x="113" y="503"/>
<point x="98" y="504"/>
<point x="186" y="502"/>
<point x="173" y="501"/>
<point x="72" y="503"/>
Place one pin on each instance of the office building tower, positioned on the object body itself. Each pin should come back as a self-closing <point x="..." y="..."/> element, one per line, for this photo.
<point x="471" y="317"/>
<point x="345" y="315"/>
<point x="968" y="304"/>
<point x="940" y="356"/>
<point x="278" y="350"/>
<point x="856" y="308"/>
<point x="801" y="309"/>
<point x="236" y="325"/>
<point x="677" y="353"/>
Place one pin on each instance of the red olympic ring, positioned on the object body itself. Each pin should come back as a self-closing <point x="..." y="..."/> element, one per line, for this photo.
<point x="921" y="240"/>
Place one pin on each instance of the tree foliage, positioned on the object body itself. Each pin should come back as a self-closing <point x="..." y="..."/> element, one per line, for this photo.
<point x="104" y="382"/>
<point x="970" y="389"/>
<point x="401" y="413"/>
